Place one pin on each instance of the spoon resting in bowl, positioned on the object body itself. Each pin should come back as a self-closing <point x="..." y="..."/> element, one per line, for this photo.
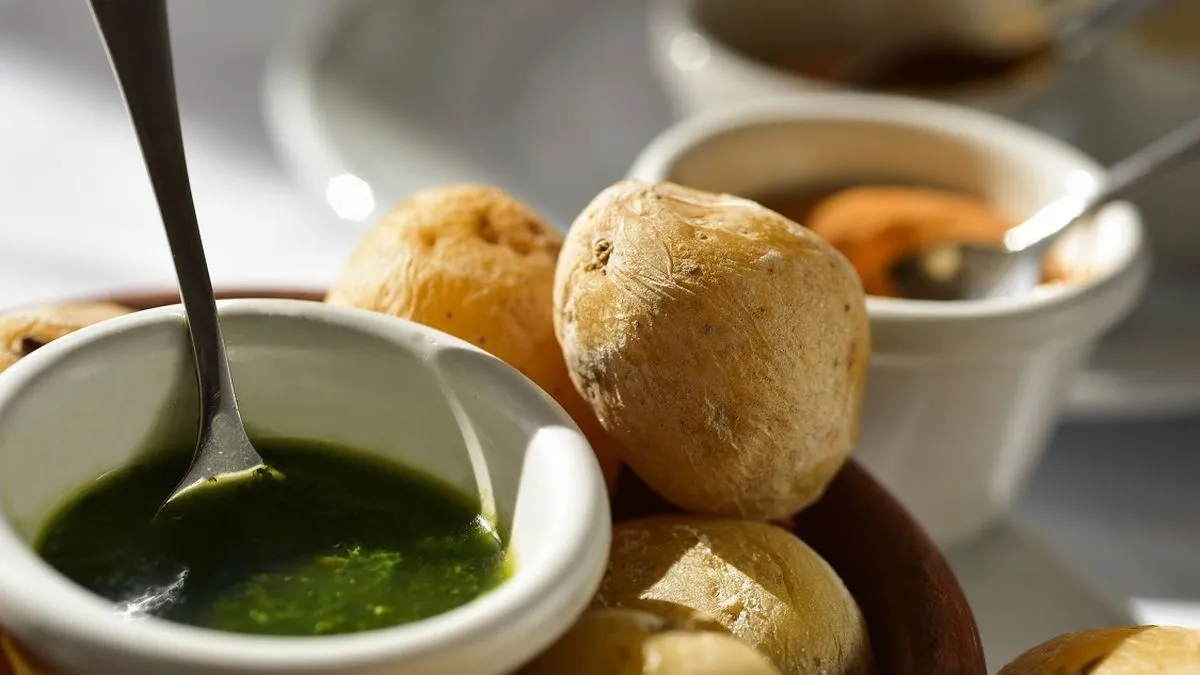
<point x="138" y="42"/>
<point x="964" y="271"/>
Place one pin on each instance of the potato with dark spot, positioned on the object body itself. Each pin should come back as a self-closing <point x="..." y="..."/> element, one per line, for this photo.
<point x="1131" y="650"/>
<point x="628" y="642"/>
<point x="24" y="331"/>
<point x="758" y="581"/>
<point x="472" y="261"/>
<point x="723" y="346"/>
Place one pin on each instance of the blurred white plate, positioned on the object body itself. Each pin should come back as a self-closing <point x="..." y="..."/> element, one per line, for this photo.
<point x="550" y="99"/>
<point x="369" y="100"/>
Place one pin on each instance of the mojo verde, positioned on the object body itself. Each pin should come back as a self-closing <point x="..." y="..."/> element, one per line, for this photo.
<point x="342" y="542"/>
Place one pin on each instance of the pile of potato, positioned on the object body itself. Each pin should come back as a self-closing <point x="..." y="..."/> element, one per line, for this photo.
<point x="716" y="348"/>
<point x="720" y="350"/>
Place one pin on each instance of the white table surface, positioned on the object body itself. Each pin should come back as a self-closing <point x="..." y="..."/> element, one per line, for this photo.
<point x="1120" y="502"/>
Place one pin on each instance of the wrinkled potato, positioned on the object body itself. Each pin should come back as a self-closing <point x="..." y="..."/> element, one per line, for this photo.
<point x="628" y="642"/>
<point x="1131" y="650"/>
<point x="25" y="330"/>
<point x="472" y="261"/>
<point x="760" y="582"/>
<point x="723" y="346"/>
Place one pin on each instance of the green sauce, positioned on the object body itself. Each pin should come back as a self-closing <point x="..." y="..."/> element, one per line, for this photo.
<point x="341" y="542"/>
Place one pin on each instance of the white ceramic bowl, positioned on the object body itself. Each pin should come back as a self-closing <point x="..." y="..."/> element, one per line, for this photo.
<point x="700" y="48"/>
<point x="961" y="395"/>
<point x="91" y="401"/>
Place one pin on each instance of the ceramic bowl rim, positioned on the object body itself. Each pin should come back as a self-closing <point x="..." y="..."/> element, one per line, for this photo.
<point x="660" y="156"/>
<point x="88" y="619"/>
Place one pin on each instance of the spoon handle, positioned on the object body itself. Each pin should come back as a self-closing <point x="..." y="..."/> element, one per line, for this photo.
<point x="139" y="46"/>
<point x="1079" y="33"/>
<point x="1170" y="151"/>
<point x="1175" y="148"/>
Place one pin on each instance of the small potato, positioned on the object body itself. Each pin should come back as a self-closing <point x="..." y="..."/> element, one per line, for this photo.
<point x="472" y="261"/>
<point x="628" y="642"/>
<point x="723" y="346"/>
<point x="25" y="330"/>
<point x="760" y="582"/>
<point x="1131" y="650"/>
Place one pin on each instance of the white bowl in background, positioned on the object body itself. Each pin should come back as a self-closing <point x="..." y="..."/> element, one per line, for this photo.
<point x="707" y="52"/>
<point x="961" y="395"/>
<point x="91" y="401"/>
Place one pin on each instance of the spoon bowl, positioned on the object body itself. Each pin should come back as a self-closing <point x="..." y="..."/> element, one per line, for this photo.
<point x="960" y="271"/>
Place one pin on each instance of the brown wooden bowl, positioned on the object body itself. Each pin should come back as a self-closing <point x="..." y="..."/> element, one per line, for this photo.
<point x="919" y="619"/>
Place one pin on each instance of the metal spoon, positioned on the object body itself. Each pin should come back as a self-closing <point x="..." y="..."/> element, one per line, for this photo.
<point x="957" y="271"/>
<point x="138" y="42"/>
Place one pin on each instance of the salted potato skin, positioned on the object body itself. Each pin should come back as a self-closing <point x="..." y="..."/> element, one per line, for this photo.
<point x="723" y="346"/>
<point x="629" y="642"/>
<point x="473" y="262"/>
<point x="465" y="259"/>
<point x="23" y="331"/>
<point x="758" y="581"/>
<point x="1129" y="650"/>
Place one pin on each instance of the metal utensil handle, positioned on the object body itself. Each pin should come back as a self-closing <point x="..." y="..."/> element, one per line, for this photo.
<point x="1174" y="149"/>
<point x="139" y="46"/>
<point x="1168" y="152"/>
<point x="1079" y="33"/>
